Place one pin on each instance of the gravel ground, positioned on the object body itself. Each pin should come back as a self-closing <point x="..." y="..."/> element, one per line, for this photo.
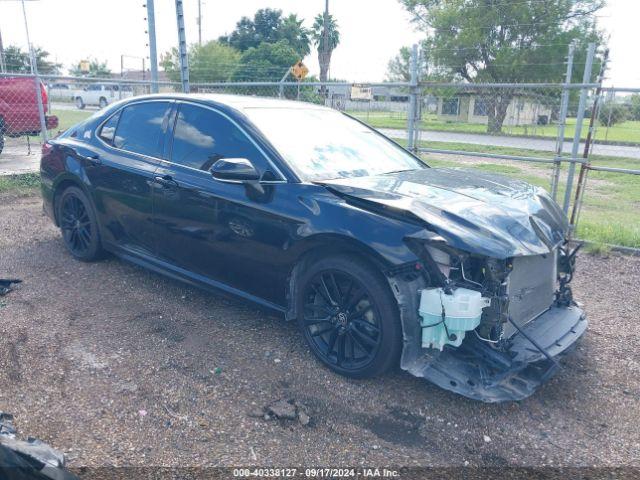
<point x="118" y="366"/>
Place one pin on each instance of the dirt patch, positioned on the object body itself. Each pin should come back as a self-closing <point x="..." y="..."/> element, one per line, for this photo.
<point x="118" y="366"/>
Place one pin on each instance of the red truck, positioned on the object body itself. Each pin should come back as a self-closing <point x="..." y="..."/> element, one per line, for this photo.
<point x="19" y="108"/>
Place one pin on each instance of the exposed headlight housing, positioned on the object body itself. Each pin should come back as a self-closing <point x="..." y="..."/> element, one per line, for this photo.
<point x="441" y="258"/>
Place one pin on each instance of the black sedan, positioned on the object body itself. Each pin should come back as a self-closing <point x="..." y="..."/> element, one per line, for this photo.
<point x="460" y="277"/>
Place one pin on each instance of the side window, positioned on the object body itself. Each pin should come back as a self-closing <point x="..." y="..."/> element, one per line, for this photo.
<point x="202" y="137"/>
<point x="141" y="128"/>
<point x="108" y="130"/>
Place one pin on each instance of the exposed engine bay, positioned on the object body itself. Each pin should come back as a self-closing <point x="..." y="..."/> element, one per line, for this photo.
<point x="487" y="328"/>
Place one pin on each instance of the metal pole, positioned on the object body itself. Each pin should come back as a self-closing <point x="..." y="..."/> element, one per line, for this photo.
<point x="281" y="88"/>
<point x="584" y="168"/>
<point x="411" y="114"/>
<point x="36" y="78"/>
<point x="182" y="48"/>
<point x="153" y="53"/>
<point x="562" y="120"/>
<point x="579" y="119"/>
<point x="199" y="22"/>
<point x="325" y="48"/>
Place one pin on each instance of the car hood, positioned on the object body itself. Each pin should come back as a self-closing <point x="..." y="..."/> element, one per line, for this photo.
<point x="479" y="213"/>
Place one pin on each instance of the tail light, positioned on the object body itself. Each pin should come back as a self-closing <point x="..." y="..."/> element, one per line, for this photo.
<point x="46" y="148"/>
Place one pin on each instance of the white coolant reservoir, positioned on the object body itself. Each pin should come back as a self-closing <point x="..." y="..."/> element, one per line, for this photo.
<point x="462" y="311"/>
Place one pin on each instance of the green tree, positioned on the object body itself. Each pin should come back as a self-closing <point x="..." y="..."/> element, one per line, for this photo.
<point x="266" y="62"/>
<point x="293" y="31"/>
<point x="500" y="41"/>
<point x="611" y="113"/>
<point x="210" y="62"/>
<point x="399" y="68"/>
<point x="269" y="26"/>
<point x="317" y="35"/>
<point x="17" y="61"/>
<point x="634" y="106"/>
<point x="97" y="69"/>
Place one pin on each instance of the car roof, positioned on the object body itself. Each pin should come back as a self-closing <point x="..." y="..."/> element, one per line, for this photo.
<point x="238" y="102"/>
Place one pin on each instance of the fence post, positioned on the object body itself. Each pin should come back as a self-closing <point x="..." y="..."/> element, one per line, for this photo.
<point x="38" y="87"/>
<point x="584" y="168"/>
<point x="182" y="48"/>
<point x="413" y="97"/>
<point x="562" y="120"/>
<point x="578" y="133"/>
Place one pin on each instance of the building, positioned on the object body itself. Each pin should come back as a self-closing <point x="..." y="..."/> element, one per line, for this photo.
<point x="472" y="107"/>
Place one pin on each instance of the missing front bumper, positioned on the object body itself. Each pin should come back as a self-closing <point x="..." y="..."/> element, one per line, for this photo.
<point x="476" y="370"/>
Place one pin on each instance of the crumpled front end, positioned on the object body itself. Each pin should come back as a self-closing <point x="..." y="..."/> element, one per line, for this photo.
<point x="528" y="320"/>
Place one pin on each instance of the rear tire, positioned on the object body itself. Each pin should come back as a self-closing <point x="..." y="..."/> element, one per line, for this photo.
<point x="348" y="316"/>
<point x="103" y="102"/>
<point x="78" y="225"/>
<point x="80" y="103"/>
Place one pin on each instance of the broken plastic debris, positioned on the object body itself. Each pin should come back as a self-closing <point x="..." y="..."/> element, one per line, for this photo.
<point x="5" y="285"/>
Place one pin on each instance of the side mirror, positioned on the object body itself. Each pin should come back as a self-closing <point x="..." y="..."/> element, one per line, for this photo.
<point x="234" y="170"/>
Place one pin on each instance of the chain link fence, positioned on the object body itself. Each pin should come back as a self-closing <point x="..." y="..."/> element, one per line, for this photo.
<point x="526" y="131"/>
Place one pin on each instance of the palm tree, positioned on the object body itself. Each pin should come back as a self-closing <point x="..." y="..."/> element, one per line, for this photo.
<point x="317" y="34"/>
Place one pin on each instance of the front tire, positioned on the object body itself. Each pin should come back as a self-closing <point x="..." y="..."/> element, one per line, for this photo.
<point x="103" y="102"/>
<point x="80" y="103"/>
<point x="78" y="225"/>
<point x="349" y="317"/>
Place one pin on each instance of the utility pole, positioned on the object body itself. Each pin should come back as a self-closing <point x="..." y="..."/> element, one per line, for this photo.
<point x="153" y="53"/>
<point x="182" y="47"/>
<point x="199" y="22"/>
<point x="324" y="56"/>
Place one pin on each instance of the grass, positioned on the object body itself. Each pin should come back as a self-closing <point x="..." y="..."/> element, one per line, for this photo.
<point x="20" y="185"/>
<point x="68" y="118"/>
<point x="626" y="132"/>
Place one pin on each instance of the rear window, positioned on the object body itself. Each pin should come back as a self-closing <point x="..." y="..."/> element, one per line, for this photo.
<point x="141" y="127"/>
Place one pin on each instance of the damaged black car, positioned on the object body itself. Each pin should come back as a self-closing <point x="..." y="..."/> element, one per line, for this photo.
<point x="458" y="276"/>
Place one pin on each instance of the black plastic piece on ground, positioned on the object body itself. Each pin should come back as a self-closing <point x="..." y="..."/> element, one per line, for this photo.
<point x="5" y="285"/>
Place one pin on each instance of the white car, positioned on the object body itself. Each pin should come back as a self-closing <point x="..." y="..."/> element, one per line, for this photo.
<point x="102" y="94"/>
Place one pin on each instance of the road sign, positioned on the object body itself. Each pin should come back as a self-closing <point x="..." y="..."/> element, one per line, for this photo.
<point x="299" y="70"/>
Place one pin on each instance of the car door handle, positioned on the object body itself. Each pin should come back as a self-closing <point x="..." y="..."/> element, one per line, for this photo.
<point x="166" y="181"/>
<point x="92" y="158"/>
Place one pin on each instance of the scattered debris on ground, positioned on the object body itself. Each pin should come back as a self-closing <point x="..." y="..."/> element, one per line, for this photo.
<point x="28" y="459"/>
<point x="284" y="409"/>
<point x="6" y="285"/>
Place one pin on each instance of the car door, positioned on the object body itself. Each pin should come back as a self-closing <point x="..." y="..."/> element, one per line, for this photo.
<point x="92" y="94"/>
<point x="122" y="169"/>
<point x="228" y="232"/>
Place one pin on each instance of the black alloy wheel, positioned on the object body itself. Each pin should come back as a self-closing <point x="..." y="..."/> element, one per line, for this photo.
<point x="78" y="225"/>
<point x="349" y="318"/>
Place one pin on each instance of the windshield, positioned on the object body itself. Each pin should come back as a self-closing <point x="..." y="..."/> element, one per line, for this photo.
<point x="324" y="144"/>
